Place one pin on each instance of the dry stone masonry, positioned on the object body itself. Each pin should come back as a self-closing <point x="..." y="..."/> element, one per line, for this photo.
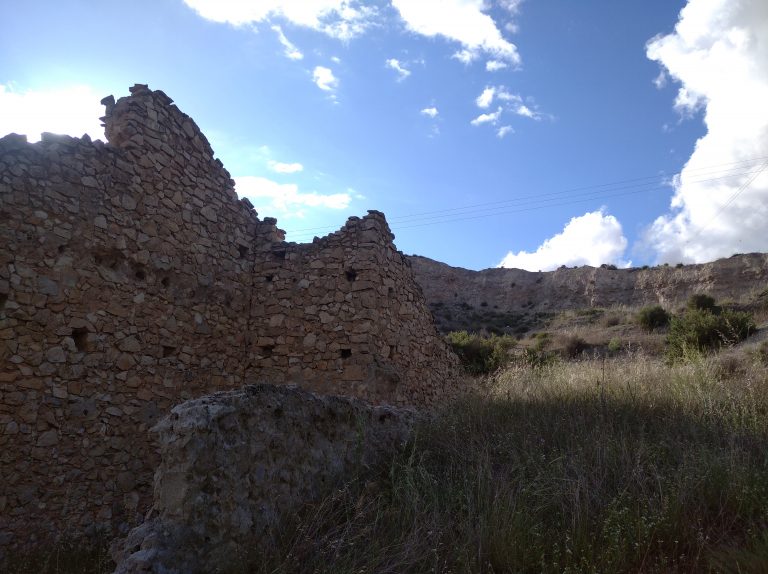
<point x="133" y="278"/>
<point x="235" y="463"/>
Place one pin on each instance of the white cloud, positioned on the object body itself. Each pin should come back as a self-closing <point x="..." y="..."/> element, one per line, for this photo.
<point x="270" y="197"/>
<point x="461" y="21"/>
<point x="525" y="111"/>
<point x="503" y="131"/>
<point x="511" y="6"/>
<point x="466" y="57"/>
<point x="512" y="103"/>
<point x="717" y="54"/>
<point x="591" y="239"/>
<point x="280" y="167"/>
<point x="291" y="51"/>
<point x="486" y="97"/>
<point x="494" y="65"/>
<point x="431" y="112"/>
<point x="487" y="118"/>
<point x="397" y="66"/>
<point x="342" y="19"/>
<point x="325" y="79"/>
<point x="72" y="110"/>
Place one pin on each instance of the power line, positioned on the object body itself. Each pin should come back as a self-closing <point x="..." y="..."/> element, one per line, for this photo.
<point x="730" y="200"/>
<point x="648" y="179"/>
<point x="552" y="199"/>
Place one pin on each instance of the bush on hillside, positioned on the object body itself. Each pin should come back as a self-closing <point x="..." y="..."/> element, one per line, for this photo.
<point x="702" y="330"/>
<point x="703" y="302"/>
<point x="480" y="355"/>
<point x="653" y="317"/>
<point x="574" y="346"/>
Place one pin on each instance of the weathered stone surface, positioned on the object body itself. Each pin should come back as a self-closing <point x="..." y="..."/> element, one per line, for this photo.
<point x="132" y="278"/>
<point x="234" y="463"/>
<point x="513" y="290"/>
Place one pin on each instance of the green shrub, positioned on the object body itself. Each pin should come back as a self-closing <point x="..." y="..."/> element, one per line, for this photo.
<point x="480" y="355"/>
<point x="702" y="330"/>
<point x="614" y="345"/>
<point x="653" y="317"/>
<point x="702" y="301"/>
<point x="535" y="358"/>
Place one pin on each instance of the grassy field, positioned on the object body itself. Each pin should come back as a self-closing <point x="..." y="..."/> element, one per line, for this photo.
<point x="623" y="465"/>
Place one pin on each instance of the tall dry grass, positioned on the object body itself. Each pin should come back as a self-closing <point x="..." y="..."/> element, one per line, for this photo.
<point x="625" y="465"/>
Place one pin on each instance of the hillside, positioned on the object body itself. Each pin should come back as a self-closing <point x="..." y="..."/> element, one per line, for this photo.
<point x="517" y="301"/>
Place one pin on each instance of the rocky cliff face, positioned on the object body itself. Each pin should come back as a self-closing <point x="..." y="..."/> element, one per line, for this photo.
<point x="514" y="293"/>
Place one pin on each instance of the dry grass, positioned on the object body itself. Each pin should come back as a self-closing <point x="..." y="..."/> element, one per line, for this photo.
<point x="617" y="464"/>
<point x="625" y="465"/>
<point x="599" y="329"/>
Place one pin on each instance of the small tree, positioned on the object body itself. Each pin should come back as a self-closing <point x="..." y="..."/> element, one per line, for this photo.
<point x="701" y="330"/>
<point x="653" y="317"/>
<point x="480" y="355"/>
<point x="703" y="302"/>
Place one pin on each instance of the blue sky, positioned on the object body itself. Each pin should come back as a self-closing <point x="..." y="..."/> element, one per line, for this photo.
<point x="532" y="133"/>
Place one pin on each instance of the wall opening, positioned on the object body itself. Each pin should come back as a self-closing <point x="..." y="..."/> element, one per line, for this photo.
<point x="3" y="300"/>
<point x="346" y="353"/>
<point x="110" y="258"/>
<point x="168" y="351"/>
<point x="165" y="281"/>
<point x="61" y="248"/>
<point x="269" y="278"/>
<point x="140" y="274"/>
<point x="243" y="250"/>
<point x="80" y="337"/>
<point x="351" y="274"/>
<point x="266" y="351"/>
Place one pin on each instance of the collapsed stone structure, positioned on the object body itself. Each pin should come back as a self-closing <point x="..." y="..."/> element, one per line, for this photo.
<point x="132" y="278"/>
<point x="234" y="464"/>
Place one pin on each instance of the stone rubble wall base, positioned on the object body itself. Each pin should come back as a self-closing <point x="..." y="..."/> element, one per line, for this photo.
<point x="234" y="463"/>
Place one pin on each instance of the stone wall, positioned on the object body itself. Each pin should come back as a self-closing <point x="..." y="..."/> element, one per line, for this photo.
<point x="235" y="463"/>
<point x="132" y="278"/>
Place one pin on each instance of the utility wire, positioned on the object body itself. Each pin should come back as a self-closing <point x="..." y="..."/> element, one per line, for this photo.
<point x="643" y="183"/>
<point x="735" y="166"/>
<point x="552" y="199"/>
<point x="730" y="200"/>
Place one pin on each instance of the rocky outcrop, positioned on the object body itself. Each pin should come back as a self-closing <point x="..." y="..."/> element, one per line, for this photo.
<point x="133" y="278"/>
<point x="514" y="291"/>
<point x="234" y="463"/>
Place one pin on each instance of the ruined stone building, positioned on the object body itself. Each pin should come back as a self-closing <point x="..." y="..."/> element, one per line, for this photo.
<point x="132" y="277"/>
